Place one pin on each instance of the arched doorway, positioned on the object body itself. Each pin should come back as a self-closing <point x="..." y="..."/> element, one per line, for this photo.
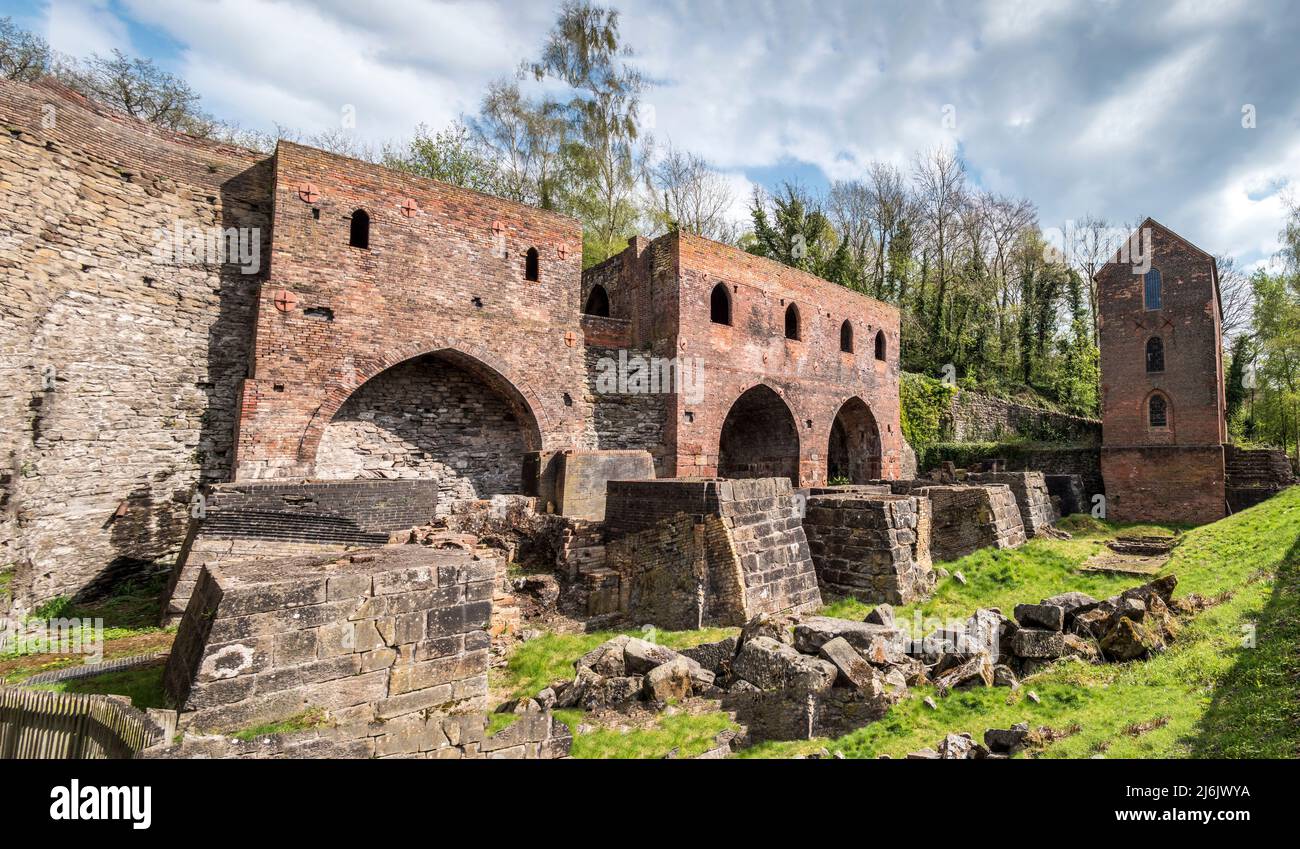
<point x="759" y="438"/>
<point x="854" y="451"/>
<point x="443" y="416"/>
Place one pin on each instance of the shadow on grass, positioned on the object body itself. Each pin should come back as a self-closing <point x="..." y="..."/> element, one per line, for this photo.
<point x="1255" y="711"/>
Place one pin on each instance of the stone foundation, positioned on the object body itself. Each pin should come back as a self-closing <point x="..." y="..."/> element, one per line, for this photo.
<point x="693" y="552"/>
<point x="1164" y="483"/>
<point x="1032" y="497"/>
<point x="967" y="518"/>
<point x="380" y="635"/>
<point x="1068" y="494"/>
<point x="873" y="547"/>
<point x="572" y="483"/>
<point x="261" y="520"/>
<point x="1255" y="476"/>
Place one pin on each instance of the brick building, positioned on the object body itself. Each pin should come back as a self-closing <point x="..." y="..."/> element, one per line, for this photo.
<point x="1163" y="403"/>
<point x="390" y="327"/>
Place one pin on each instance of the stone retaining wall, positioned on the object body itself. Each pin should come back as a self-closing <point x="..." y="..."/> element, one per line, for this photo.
<point x="873" y="547"/>
<point x="378" y="635"/>
<point x="968" y="518"/>
<point x="1032" y="497"/>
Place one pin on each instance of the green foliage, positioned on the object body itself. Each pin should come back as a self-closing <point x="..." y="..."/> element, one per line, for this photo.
<point x="791" y="228"/>
<point x="686" y="734"/>
<point x="452" y="155"/>
<point x="924" y="403"/>
<point x="306" y="721"/>
<point x="54" y="608"/>
<point x="143" y="685"/>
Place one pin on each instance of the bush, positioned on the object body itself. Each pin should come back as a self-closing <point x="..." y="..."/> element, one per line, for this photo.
<point x="924" y="404"/>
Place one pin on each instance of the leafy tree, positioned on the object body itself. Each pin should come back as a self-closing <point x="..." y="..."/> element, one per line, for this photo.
<point x="452" y="155"/>
<point x="790" y="227"/>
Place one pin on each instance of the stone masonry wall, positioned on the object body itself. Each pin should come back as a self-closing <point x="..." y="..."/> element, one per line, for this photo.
<point x="967" y="518"/>
<point x="1032" y="497"/>
<point x="974" y="417"/>
<point x="390" y="635"/>
<point x="262" y="520"/>
<point x="718" y="552"/>
<point x="119" y="363"/>
<point x="875" y="548"/>
<point x="627" y="420"/>
<point x="1255" y="475"/>
<point x="427" y="418"/>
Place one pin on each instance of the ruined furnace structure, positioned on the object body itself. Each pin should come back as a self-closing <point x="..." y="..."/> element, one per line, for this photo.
<point x="1163" y="404"/>
<point x="390" y="328"/>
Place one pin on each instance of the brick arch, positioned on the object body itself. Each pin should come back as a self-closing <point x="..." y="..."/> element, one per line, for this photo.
<point x="494" y="371"/>
<point x="855" y="447"/>
<point x="759" y="436"/>
<point x="1144" y="412"/>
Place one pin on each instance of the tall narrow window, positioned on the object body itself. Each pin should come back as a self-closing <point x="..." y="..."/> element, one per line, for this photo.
<point x="1155" y="354"/>
<point x="359" y="233"/>
<point x="846" y="337"/>
<point x="1158" y="411"/>
<point x="531" y="269"/>
<point x="1152" y="289"/>
<point x="792" y="322"/>
<point x="880" y="344"/>
<point x="597" y="302"/>
<point x="720" y="305"/>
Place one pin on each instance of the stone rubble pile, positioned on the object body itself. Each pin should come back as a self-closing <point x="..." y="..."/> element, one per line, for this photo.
<point x="999" y="744"/>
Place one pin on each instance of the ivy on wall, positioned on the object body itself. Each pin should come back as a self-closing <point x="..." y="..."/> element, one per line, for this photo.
<point x="924" y="404"/>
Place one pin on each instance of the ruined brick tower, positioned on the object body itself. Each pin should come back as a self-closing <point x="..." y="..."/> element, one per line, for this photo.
<point x="1163" y="403"/>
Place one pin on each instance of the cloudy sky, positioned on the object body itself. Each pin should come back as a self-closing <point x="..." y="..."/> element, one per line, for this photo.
<point x="1119" y="109"/>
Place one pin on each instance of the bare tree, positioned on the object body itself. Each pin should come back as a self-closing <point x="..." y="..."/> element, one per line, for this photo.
<point x="23" y="55"/>
<point x="849" y="206"/>
<point x="1234" y="298"/>
<point x="1090" y="245"/>
<point x="683" y="192"/>
<point x="141" y="89"/>
<point x="940" y="179"/>
<point x="527" y="140"/>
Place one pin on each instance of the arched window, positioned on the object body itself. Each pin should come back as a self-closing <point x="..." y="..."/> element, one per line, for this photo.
<point x="846" y="337"/>
<point x="1155" y="354"/>
<point x="720" y="305"/>
<point x="531" y="269"/>
<point x="1151" y="296"/>
<point x="359" y="233"/>
<point x="597" y="302"/>
<point x="792" y="322"/>
<point x="1158" y="411"/>
<point x="880" y="344"/>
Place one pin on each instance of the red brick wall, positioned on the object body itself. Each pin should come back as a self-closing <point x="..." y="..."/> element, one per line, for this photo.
<point x="1175" y="485"/>
<point x="443" y="278"/>
<point x="812" y="376"/>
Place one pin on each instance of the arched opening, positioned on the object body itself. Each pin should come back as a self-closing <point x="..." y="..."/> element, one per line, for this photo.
<point x="854" y="452"/>
<point x="442" y="416"/>
<point x="759" y="438"/>
<point x="1155" y="354"/>
<point x="846" y="337"/>
<point x="792" y="322"/>
<point x="720" y="305"/>
<point x="597" y="302"/>
<point x="359" y="230"/>
<point x="880" y="345"/>
<point x="532" y="269"/>
<point x="1151" y="289"/>
<point x="1158" y="411"/>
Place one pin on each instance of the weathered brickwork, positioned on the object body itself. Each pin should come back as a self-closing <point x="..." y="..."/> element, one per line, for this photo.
<point x="264" y="520"/>
<point x="1172" y="471"/>
<point x="119" y="368"/>
<point x="623" y="420"/>
<point x="873" y="547"/>
<point x="372" y="636"/>
<point x="1255" y="475"/>
<point x="444" y="272"/>
<point x="708" y="551"/>
<point x="664" y="290"/>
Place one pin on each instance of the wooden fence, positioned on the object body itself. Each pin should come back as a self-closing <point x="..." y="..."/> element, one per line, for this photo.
<point x="42" y="724"/>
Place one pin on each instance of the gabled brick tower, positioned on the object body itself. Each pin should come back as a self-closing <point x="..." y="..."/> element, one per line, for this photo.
<point x="1163" y="403"/>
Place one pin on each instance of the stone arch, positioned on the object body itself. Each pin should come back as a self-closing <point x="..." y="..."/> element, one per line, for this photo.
<point x="854" y="451"/>
<point x="441" y="415"/>
<point x="759" y="437"/>
<point x="363" y="368"/>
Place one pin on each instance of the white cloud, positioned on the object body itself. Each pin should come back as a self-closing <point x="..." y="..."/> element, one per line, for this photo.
<point x="81" y="27"/>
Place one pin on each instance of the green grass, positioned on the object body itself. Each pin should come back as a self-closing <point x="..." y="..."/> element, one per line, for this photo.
<point x="305" y="721"/>
<point x="540" y="661"/>
<point x="1207" y="696"/>
<point x="690" y="735"/>
<point x="500" y="722"/>
<point x="143" y="685"/>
